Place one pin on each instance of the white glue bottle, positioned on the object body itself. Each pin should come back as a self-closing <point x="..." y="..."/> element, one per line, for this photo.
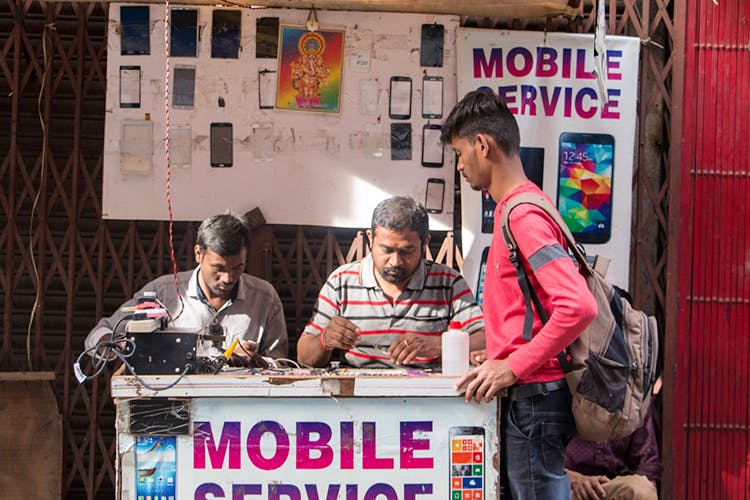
<point x="455" y="344"/>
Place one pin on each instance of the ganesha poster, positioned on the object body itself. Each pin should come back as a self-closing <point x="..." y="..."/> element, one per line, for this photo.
<point x="309" y="72"/>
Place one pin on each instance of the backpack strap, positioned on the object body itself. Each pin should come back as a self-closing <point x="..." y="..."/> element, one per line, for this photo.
<point x="529" y="294"/>
<point x="540" y="201"/>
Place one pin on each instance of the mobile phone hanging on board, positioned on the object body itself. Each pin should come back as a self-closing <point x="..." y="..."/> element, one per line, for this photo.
<point x="431" y="48"/>
<point x="432" y="148"/>
<point x="399" y="102"/>
<point x="221" y="145"/>
<point x="434" y="195"/>
<point x="432" y="97"/>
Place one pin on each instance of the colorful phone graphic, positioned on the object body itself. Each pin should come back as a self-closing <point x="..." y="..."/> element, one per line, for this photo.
<point x="482" y="273"/>
<point x="584" y="192"/>
<point x="156" y="467"/>
<point x="467" y="463"/>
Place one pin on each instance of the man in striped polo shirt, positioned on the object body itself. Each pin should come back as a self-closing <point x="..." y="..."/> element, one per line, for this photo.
<point x="390" y="308"/>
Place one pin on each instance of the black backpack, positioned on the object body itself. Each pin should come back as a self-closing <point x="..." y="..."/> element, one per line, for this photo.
<point x="612" y="366"/>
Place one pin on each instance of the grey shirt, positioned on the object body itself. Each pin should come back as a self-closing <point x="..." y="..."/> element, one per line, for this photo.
<point x="255" y="313"/>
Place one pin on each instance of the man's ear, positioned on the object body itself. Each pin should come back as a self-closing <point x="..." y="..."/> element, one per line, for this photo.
<point x="426" y="241"/>
<point x="370" y="237"/>
<point x="484" y="145"/>
<point x="198" y="254"/>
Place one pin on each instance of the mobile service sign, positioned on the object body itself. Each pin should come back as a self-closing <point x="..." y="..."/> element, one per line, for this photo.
<point x="577" y="132"/>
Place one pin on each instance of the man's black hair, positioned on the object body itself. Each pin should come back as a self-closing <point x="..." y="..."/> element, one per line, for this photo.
<point x="399" y="213"/>
<point x="224" y="234"/>
<point x="483" y="112"/>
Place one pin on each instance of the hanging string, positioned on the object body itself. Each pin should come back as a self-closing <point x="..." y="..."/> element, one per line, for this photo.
<point x="166" y="157"/>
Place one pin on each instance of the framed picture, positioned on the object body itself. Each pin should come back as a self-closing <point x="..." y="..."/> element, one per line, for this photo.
<point x="309" y="69"/>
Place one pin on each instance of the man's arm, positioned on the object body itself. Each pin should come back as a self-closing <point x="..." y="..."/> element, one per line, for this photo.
<point x="571" y="307"/>
<point x="315" y="349"/>
<point x="643" y="458"/>
<point x="274" y="342"/>
<point x="102" y="332"/>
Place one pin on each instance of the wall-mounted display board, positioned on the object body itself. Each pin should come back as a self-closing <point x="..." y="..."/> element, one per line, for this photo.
<point x="315" y="128"/>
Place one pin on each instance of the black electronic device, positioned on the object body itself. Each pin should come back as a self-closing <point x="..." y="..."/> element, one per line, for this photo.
<point x="221" y="145"/>
<point x="225" y="34"/>
<point x="431" y="46"/>
<point x="432" y="149"/>
<point x="135" y="30"/>
<point x="432" y="96"/>
<point x="399" y="101"/>
<point x="401" y="141"/>
<point x="163" y="352"/>
<point x="183" y="33"/>
<point x="434" y="196"/>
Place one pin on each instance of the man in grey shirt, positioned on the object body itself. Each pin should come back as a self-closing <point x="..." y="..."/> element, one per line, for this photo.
<point x="217" y="297"/>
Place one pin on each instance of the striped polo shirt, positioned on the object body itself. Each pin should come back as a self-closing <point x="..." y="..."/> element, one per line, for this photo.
<point x="434" y="296"/>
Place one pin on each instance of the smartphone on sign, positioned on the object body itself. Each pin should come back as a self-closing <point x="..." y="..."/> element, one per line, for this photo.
<point x="584" y="191"/>
<point x="466" y="463"/>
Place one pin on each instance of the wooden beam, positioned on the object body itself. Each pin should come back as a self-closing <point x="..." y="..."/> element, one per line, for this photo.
<point x="498" y="8"/>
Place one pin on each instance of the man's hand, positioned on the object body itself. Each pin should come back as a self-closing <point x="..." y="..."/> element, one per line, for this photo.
<point x="340" y="334"/>
<point x="486" y="380"/>
<point x="411" y="345"/>
<point x="244" y="354"/>
<point x="476" y="358"/>
<point x="586" y="487"/>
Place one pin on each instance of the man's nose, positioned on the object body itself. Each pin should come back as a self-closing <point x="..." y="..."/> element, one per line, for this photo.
<point x="226" y="277"/>
<point x="395" y="260"/>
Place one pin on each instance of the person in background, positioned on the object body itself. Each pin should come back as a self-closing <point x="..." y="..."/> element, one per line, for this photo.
<point x="623" y="469"/>
<point x="537" y="415"/>
<point x="390" y="308"/>
<point x="217" y="297"/>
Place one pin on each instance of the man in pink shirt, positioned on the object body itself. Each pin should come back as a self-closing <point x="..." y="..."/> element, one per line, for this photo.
<point x="538" y="421"/>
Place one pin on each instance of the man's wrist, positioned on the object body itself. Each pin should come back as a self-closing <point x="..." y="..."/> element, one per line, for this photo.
<point x="323" y="343"/>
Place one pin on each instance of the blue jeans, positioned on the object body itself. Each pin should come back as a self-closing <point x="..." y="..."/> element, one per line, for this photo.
<point x="537" y="430"/>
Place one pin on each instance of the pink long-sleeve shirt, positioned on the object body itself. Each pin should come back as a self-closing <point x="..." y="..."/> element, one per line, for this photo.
<point x="561" y="289"/>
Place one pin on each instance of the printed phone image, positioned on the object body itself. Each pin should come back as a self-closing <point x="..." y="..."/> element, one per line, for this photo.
<point x="533" y="164"/>
<point x="584" y="192"/>
<point x="156" y="467"/>
<point x="431" y="47"/>
<point x="482" y="273"/>
<point x="466" y="463"/>
<point x="488" y="213"/>
<point x="221" y="145"/>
